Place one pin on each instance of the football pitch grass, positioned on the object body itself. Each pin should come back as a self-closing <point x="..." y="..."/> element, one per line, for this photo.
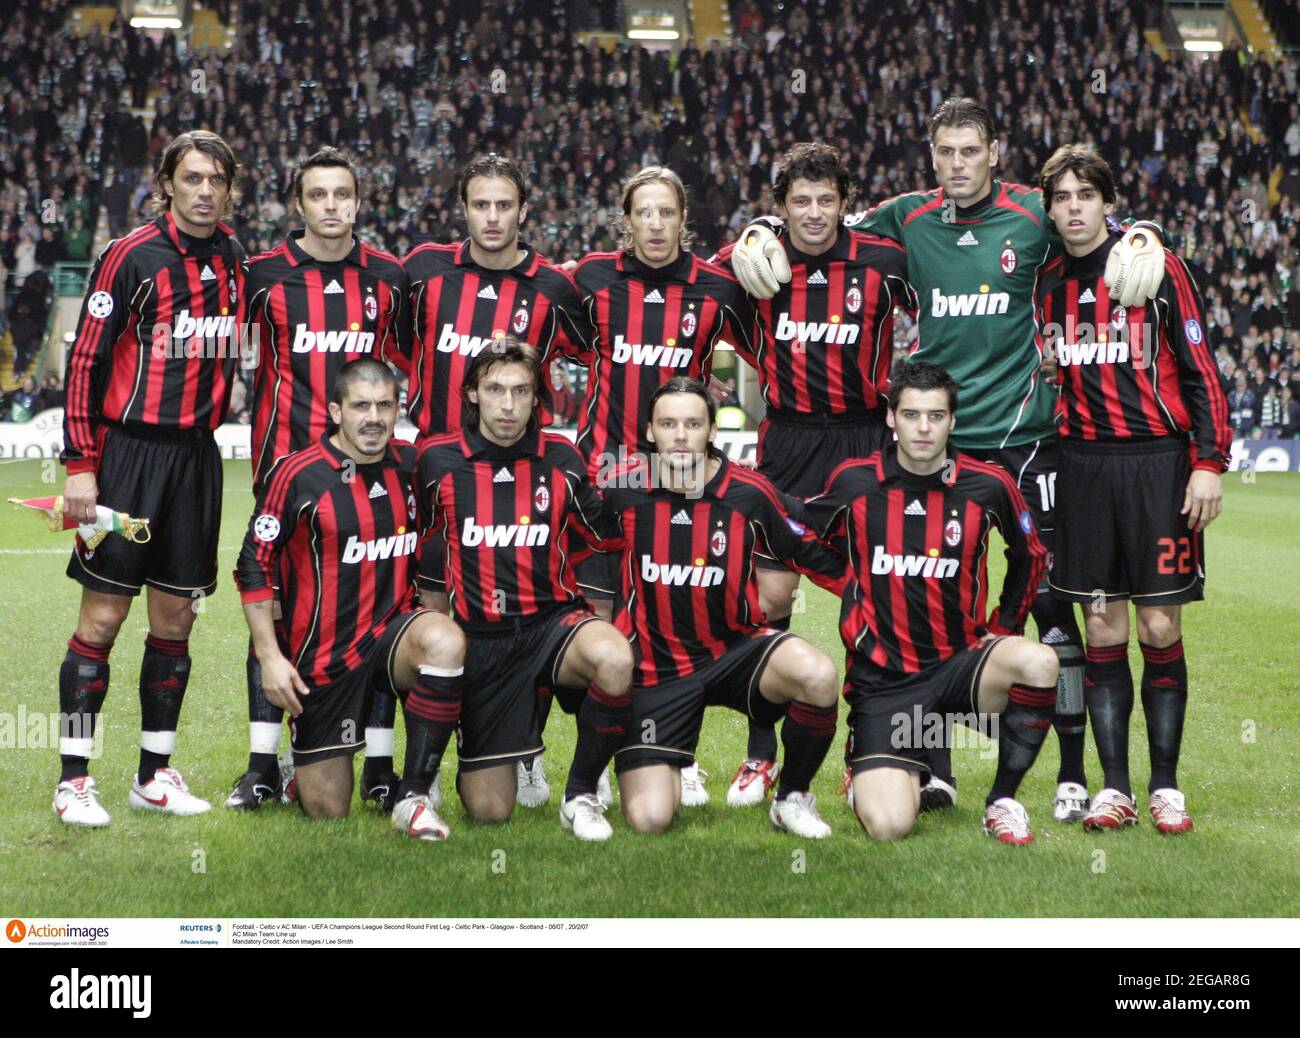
<point x="1240" y="769"/>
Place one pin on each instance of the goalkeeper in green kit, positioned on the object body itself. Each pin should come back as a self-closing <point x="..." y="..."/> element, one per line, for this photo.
<point x="974" y="245"/>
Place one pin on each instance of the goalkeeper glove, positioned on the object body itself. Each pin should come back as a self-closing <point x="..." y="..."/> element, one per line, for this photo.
<point x="759" y="260"/>
<point x="1136" y="265"/>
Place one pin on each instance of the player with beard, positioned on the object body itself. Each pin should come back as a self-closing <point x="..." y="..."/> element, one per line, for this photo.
<point x="690" y="605"/>
<point x="974" y="247"/>
<point x="824" y="346"/>
<point x="499" y="500"/>
<point x="319" y="300"/>
<point x="336" y="529"/>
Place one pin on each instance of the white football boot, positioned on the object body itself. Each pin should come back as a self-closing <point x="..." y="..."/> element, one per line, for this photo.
<point x="797" y="813"/>
<point x="416" y="816"/>
<point x="533" y="789"/>
<point x="168" y="793"/>
<point x="1071" y="802"/>
<point x="693" y="792"/>
<point x="77" y="803"/>
<point x="584" y="816"/>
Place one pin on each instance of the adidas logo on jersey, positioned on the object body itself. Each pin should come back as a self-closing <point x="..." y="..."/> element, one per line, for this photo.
<point x="883" y="564"/>
<point x="207" y="275"/>
<point x="968" y="239"/>
<point x="841" y="333"/>
<point x="377" y="490"/>
<point x="978" y="304"/>
<point x="380" y="548"/>
<point x="817" y="277"/>
<point x="307" y="341"/>
<point x="1087" y="297"/>
<point x="681" y="519"/>
<point x="512" y="535"/>
<point x="503" y="476"/>
<point x="487" y="292"/>
<point x="333" y="288"/>
<point x="680" y="576"/>
<point x="451" y="341"/>
<point x="654" y="296"/>
<point x="915" y="508"/>
<point x="650" y="355"/>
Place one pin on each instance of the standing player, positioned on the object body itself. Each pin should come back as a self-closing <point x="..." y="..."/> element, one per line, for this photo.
<point x="1145" y="437"/>
<point x="690" y="605"/>
<point x="824" y="345"/>
<point x="974" y="246"/>
<point x="499" y="500"/>
<point x="923" y="652"/>
<point x="149" y="379"/>
<point x="336" y="530"/>
<point x="463" y="297"/>
<point x="318" y="301"/>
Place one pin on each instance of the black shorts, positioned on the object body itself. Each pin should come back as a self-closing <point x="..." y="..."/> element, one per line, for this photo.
<point x="432" y="571"/>
<point x="1033" y="466"/>
<point x="499" y="719"/>
<point x="666" y="719"/>
<point x="1120" y="533"/>
<point x="599" y="575"/>
<point x="798" y="453"/>
<point x="173" y="478"/>
<point x="332" y="722"/>
<point x="894" y="722"/>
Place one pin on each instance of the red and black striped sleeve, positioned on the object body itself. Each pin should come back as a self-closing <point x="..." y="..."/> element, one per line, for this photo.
<point x="105" y="316"/>
<point x="788" y="539"/>
<point x="269" y="531"/>
<point x="1026" y="556"/>
<point x="575" y="335"/>
<point x="1198" y="376"/>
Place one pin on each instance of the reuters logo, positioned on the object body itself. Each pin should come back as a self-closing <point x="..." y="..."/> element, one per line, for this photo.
<point x="15" y="930"/>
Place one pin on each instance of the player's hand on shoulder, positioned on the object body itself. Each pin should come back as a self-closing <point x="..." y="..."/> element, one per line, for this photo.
<point x="282" y="685"/>
<point x="80" y="496"/>
<point x="1135" y="267"/>
<point x="748" y="462"/>
<point x="1204" y="499"/>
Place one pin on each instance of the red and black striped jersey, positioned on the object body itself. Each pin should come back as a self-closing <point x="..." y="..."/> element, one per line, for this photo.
<point x="310" y="318"/>
<point x="158" y="339"/>
<point x="689" y="586"/>
<point x="458" y="307"/>
<point x="918" y="551"/>
<point x="824" y="343"/>
<point x="502" y="518"/>
<point x="652" y="324"/>
<point x="1132" y="373"/>
<point x="340" y="541"/>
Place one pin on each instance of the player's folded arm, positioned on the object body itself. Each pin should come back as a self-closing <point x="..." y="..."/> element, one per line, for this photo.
<point x="1026" y="559"/>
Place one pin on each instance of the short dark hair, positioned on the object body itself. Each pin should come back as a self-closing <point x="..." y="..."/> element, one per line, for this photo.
<point x="492" y="165"/>
<point x="1084" y="163"/>
<point x="365" y="369"/>
<point x="505" y="349"/>
<point x="814" y="161"/>
<point x="195" y="140"/>
<point x="685" y="384"/>
<point x="962" y="111"/>
<point x="327" y="157"/>
<point x="921" y="376"/>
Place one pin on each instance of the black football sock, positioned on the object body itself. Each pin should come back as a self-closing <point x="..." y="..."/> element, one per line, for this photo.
<point x="164" y="675"/>
<point x="1022" y="728"/>
<point x="806" y="737"/>
<point x="1164" y="701"/>
<point x="380" y="737"/>
<point x="1108" y="688"/>
<point x="602" y="727"/>
<point x="430" y="712"/>
<point x="83" y="684"/>
<point x="939" y="758"/>
<point x="762" y="742"/>
<point x="264" y="720"/>
<point x="1059" y="628"/>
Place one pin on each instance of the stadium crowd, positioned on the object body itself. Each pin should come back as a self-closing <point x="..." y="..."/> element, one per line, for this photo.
<point x="414" y="90"/>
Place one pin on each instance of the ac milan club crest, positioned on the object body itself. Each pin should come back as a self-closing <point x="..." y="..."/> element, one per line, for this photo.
<point x="1008" y="260"/>
<point x="410" y="507"/>
<point x="542" y="499"/>
<point x="718" y="543"/>
<point x="520" y="323"/>
<point x="372" y="308"/>
<point x="688" y="324"/>
<point x="853" y="300"/>
<point x="952" y="533"/>
<point x="1119" y="316"/>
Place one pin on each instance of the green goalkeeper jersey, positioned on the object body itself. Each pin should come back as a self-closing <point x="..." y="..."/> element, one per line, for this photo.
<point x="974" y="276"/>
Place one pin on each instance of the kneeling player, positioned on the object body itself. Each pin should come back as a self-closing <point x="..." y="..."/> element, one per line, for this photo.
<point x="1145" y="437"/>
<point x="498" y="499"/>
<point x="690" y="601"/>
<point x="921" y="653"/>
<point x="337" y="526"/>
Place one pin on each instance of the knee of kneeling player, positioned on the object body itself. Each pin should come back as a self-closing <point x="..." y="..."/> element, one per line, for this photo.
<point x="885" y="825"/>
<point x="323" y="808"/>
<point x="644" y="815"/>
<point x="489" y="809"/>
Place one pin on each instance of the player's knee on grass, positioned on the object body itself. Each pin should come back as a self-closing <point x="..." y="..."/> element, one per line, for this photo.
<point x="101" y="617"/>
<point x="884" y="821"/>
<point x="1159" y="626"/>
<point x="886" y="801"/>
<point x="648" y="811"/>
<point x="489" y="795"/>
<point x="325" y="788"/>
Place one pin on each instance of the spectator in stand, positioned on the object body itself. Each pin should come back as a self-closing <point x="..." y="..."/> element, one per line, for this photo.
<point x="1271" y="418"/>
<point x="1290" y="415"/>
<point x="1242" y="406"/>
